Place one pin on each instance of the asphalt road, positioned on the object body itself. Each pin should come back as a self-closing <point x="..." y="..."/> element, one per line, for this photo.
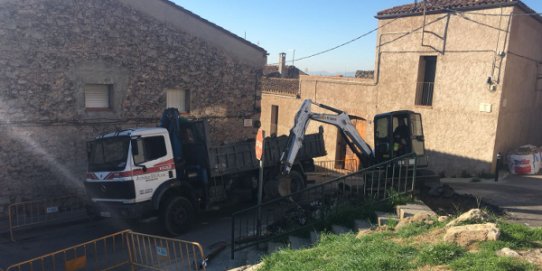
<point x="519" y="196"/>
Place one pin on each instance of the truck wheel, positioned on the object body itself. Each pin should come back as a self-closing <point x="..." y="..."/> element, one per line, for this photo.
<point x="177" y="215"/>
<point x="291" y="183"/>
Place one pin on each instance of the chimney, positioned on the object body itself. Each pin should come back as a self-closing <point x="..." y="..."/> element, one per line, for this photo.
<point x="282" y="65"/>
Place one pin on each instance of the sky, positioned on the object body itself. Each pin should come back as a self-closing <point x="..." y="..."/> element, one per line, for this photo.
<point x="305" y="27"/>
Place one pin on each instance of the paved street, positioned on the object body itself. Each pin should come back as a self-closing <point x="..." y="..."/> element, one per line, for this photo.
<point x="519" y="196"/>
<point x="211" y="228"/>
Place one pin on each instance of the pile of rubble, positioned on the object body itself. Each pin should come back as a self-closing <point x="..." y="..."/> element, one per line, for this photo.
<point x="467" y="230"/>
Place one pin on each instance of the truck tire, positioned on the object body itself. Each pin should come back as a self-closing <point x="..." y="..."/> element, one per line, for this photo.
<point x="290" y="184"/>
<point x="177" y="215"/>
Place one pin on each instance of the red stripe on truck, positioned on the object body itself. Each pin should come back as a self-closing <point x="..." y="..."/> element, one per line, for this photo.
<point x="162" y="166"/>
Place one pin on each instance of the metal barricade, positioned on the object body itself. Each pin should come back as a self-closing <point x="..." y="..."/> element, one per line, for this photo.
<point x="160" y="253"/>
<point x="32" y="214"/>
<point x="124" y="250"/>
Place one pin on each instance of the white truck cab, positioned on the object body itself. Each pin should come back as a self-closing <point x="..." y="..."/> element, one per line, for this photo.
<point x="127" y="166"/>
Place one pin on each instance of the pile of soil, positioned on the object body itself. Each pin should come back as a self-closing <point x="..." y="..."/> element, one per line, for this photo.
<point x="451" y="203"/>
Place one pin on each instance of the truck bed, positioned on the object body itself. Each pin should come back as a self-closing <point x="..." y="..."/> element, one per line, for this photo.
<point x="240" y="156"/>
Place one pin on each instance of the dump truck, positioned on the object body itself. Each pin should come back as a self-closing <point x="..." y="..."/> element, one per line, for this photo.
<point x="174" y="171"/>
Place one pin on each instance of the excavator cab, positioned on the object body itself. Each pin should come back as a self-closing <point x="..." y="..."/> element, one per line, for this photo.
<point x="398" y="133"/>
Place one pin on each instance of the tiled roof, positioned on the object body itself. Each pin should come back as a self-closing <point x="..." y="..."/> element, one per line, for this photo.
<point x="435" y="6"/>
<point x="273" y="71"/>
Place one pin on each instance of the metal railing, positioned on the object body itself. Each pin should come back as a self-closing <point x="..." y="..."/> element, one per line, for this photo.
<point x="33" y="214"/>
<point x="125" y="250"/>
<point x="305" y="208"/>
<point x="333" y="167"/>
<point x="424" y="93"/>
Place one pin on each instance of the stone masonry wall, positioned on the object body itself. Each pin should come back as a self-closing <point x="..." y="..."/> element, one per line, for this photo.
<point x="50" y="49"/>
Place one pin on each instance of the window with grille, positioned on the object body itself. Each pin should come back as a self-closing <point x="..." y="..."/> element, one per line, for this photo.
<point x="426" y="80"/>
<point x="98" y="96"/>
<point x="178" y="98"/>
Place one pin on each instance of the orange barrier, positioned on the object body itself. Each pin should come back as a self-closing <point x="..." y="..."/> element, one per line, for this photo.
<point x="32" y="214"/>
<point x="125" y="250"/>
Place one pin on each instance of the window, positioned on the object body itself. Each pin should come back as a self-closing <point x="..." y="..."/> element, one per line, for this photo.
<point x="274" y="119"/>
<point x="426" y="80"/>
<point x="108" y="154"/>
<point x="417" y="134"/>
<point x="382" y="138"/>
<point x="148" y="149"/>
<point x="178" y="98"/>
<point x="98" y="96"/>
<point x="381" y="128"/>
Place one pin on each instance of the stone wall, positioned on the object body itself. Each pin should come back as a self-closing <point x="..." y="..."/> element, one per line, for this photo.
<point x="50" y="49"/>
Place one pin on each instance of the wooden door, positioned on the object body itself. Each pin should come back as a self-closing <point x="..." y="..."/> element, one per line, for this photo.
<point x="351" y="161"/>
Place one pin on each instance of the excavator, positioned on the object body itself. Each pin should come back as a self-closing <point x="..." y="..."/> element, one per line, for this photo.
<point x="395" y="134"/>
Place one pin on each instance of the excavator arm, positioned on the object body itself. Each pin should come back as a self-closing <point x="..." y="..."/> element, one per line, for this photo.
<point x="341" y="120"/>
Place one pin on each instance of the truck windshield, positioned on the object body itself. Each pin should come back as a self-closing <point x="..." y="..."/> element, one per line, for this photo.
<point x="108" y="154"/>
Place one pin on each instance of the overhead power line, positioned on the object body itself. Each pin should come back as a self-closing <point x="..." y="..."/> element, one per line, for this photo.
<point x="378" y="28"/>
<point x="344" y="43"/>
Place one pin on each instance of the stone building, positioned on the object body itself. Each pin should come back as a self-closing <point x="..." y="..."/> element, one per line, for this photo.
<point x="473" y="69"/>
<point x="73" y="69"/>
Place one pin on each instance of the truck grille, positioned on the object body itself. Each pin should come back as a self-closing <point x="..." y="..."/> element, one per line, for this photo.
<point x="111" y="190"/>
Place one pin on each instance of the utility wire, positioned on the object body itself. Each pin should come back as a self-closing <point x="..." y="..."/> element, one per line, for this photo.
<point x="378" y="28"/>
<point x="343" y="44"/>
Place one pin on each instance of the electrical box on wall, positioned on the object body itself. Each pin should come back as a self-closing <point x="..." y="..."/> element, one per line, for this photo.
<point x="485" y="107"/>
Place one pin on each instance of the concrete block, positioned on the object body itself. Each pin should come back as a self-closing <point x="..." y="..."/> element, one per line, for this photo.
<point x="384" y="218"/>
<point x="410" y="210"/>
<point x="298" y="242"/>
<point x="254" y="256"/>
<point x="362" y="224"/>
<point x="275" y="246"/>
<point x="315" y="237"/>
<point x="337" y="229"/>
